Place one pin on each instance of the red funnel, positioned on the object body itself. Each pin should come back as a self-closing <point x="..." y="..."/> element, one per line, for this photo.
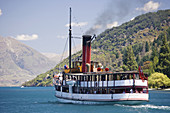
<point x="86" y="52"/>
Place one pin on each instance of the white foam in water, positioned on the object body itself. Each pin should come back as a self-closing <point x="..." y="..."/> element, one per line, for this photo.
<point x="147" y="106"/>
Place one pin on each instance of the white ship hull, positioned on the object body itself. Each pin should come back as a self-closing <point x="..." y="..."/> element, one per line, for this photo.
<point x="127" y="102"/>
<point x="129" y="98"/>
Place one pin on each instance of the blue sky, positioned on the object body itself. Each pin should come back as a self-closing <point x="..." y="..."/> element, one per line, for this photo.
<point x="42" y="24"/>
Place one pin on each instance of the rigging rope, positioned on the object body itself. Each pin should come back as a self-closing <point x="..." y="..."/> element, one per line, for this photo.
<point x="74" y="46"/>
<point x="64" y="50"/>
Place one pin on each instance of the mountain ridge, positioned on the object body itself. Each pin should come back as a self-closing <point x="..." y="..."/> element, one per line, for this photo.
<point x="19" y="62"/>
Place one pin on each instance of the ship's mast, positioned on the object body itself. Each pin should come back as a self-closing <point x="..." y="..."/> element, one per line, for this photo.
<point x="70" y="41"/>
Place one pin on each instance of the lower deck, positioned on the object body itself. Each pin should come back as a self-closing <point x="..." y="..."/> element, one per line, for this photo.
<point x="129" y="98"/>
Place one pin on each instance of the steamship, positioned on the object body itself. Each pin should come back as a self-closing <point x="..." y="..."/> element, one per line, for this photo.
<point x="86" y="82"/>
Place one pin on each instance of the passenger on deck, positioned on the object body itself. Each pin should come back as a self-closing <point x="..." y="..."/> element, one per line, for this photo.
<point x="131" y="90"/>
<point x="94" y="92"/>
<point x="137" y="91"/>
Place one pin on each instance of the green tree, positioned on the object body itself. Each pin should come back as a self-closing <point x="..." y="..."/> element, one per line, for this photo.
<point x="146" y="46"/>
<point x="138" y="59"/>
<point x="155" y="62"/>
<point x="154" y="58"/>
<point x="151" y="68"/>
<point x="129" y="59"/>
<point x="164" y="57"/>
<point x="125" y="68"/>
<point x="117" y="54"/>
<point x="154" y="53"/>
<point x="156" y="80"/>
<point x="168" y="34"/>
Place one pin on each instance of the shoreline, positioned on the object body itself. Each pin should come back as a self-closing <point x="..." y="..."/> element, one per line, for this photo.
<point x="166" y="89"/>
<point x="150" y="89"/>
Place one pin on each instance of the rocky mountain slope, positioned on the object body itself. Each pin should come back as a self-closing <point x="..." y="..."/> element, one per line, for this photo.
<point x="20" y="63"/>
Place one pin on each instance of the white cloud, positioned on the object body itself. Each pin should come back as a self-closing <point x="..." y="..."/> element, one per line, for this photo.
<point x="77" y="24"/>
<point x="114" y="24"/>
<point x="97" y="27"/>
<point x="0" y="12"/>
<point x="150" y="6"/>
<point x="27" y="37"/>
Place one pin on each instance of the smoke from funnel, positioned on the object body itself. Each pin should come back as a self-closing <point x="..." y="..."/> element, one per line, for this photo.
<point x="115" y="11"/>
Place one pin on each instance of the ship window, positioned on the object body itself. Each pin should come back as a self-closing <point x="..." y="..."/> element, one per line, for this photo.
<point x="137" y="76"/>
<point x="119" y="91"/>
<point x="82" y="78"/>
<point x="113" y="77"/>
<point x="123" y="77"/>
<point x="88" y="78"/>
<point x="118" y="77"/>
<point x="103" y="77"/>
<point x="78" y="64"/>
<point x="57" y="87"/>
<point x="69" y="76"/>
<point x="95" y="65"/>
<point x="107" y="77"/>
<point x="99" y="78"/>
<point x="128" y="90"/>
<point x="73" y="64"/>
<point x="145" y="90"/>
<point x="139" y="90"/>
<point x="66" y="77"/>
<point x="95" y="78"/>
<point x="129" y="76"/>
<point x="110" y="77"/>
<point x="74" y="78"/>
<point x="85" y="78"/>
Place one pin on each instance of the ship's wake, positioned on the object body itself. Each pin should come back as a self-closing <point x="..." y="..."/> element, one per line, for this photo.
<point x="48" y="102"/>
<point x="147" y="106"/>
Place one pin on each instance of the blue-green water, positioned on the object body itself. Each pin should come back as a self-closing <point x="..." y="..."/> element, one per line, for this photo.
<point x="42" y="100"/>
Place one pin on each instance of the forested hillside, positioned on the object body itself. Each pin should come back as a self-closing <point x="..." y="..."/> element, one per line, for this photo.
<point x="142" y="37"/>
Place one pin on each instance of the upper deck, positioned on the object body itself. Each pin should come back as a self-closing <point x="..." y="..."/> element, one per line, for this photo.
<point x="103" y="73"/>
<point x="103" y="79"/>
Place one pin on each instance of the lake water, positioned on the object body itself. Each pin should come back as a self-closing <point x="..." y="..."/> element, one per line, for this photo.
<point x="42" y="100"/>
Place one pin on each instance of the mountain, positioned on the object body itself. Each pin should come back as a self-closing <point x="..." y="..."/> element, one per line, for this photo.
<point x="109" y="47"/>
<point x="20" y="63"/>
<point x="53" y="57"/>
<point x="146" y="28"/>
<point x="59" y="57"/>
